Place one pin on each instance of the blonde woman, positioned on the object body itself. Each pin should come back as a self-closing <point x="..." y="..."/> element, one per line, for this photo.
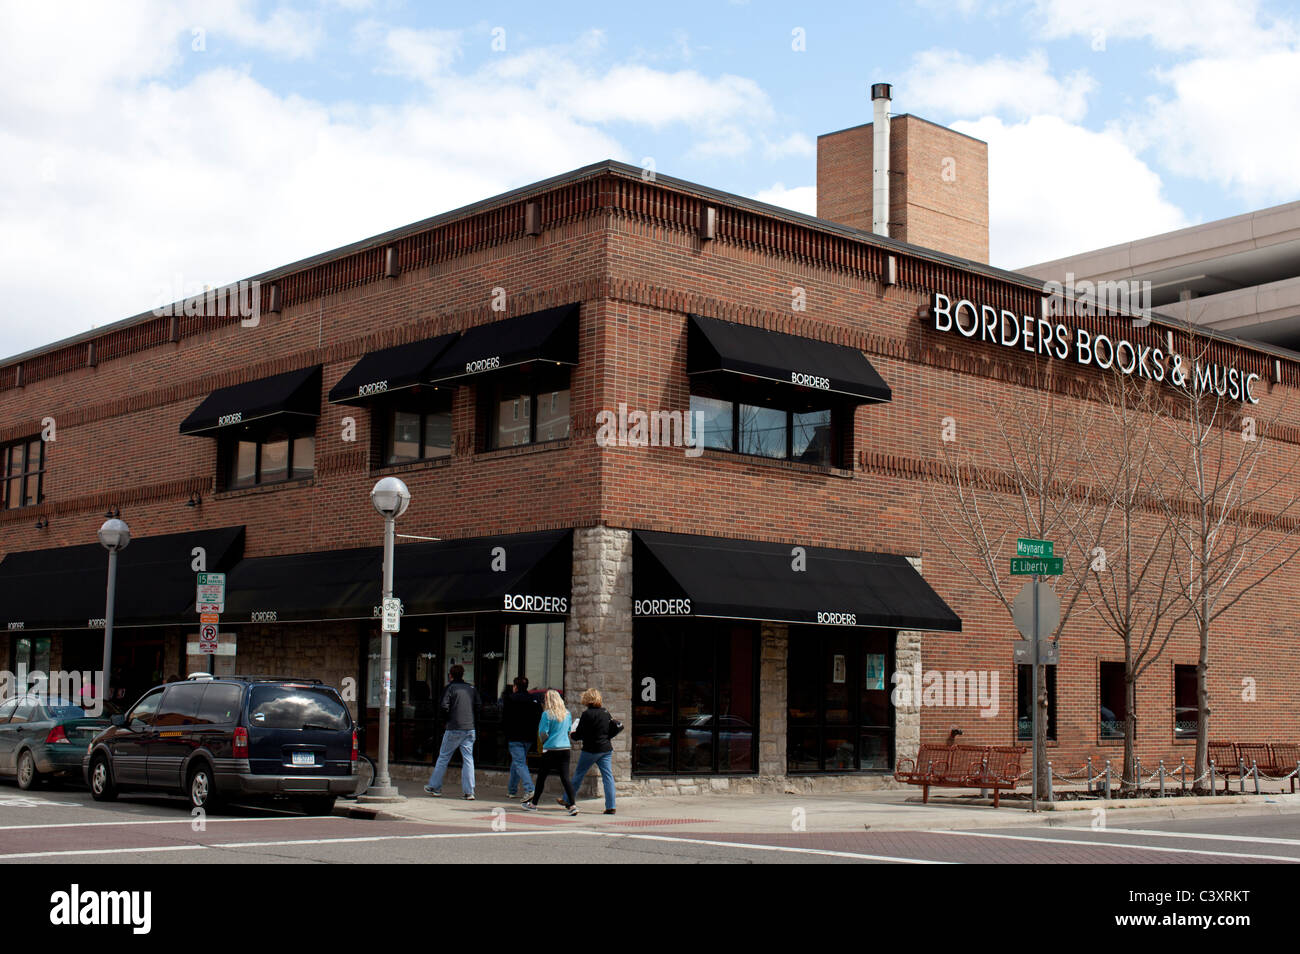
<point x="554" y="730"/>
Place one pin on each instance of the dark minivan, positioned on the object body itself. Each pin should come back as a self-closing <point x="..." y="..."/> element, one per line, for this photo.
<point x="214" y="738"/>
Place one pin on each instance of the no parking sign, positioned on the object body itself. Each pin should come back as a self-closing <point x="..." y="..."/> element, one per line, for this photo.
<point x="208" y="638"/>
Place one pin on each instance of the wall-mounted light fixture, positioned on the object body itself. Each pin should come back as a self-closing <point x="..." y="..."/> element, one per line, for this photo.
<point x="195" y="500"/>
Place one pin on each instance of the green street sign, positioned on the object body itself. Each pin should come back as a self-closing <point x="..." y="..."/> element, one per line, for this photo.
<point x="1033" y="548"/>
<point x="1050" y="566"/>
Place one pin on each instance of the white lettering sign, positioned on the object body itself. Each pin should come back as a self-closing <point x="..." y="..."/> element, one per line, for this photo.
<point x="810" y="380"/>
<point x="225" y="419"/>
<point x="520" y="603"/>
<point x="837" y="619"/>
<point x="483" y="364"/>
<point x="1041" y="336"/>
<point x="670" y="607"/>
<point x="374" y="387"/>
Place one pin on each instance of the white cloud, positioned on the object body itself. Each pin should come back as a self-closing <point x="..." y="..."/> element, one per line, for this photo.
<point x="124" y="179"/>
<point x="422" y="55"/>
<point x="1195" y="25"/>
<point x="799" y="198"/>
<point x="950" y="83"/>
<point x="1056" y="189"/>
<point x="795" y="144"/>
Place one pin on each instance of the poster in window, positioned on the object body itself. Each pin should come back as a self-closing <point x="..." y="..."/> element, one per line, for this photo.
<point x="875" y="671"/>
<point x="460" y="648"/>
<point x="838" y="669"/>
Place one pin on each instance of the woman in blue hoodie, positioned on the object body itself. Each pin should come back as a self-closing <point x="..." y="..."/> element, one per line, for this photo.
<point x="554" y="729"/>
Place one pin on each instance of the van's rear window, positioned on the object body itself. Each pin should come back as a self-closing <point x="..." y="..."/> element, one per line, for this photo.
<point x="300" y="707"/>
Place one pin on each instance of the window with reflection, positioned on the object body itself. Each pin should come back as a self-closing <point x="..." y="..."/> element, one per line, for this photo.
<point x="694" y="706"/>
<point x="1113" y="701"/>
<point x="1025" y="703"/>
<point x="22" y="472"/>
<point x="417" y="431"/>
<point x="1185" y="708"/>
<point x="769" y="422"/>
<point x="529" y="406"/>
<point x="839" y="714"/>
<point x="272" y="456"/>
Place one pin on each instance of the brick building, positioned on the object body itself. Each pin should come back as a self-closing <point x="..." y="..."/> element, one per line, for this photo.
<point x="742" y="605"/>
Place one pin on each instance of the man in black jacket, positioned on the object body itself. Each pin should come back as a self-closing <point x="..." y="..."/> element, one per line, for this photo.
<point x="460" y="706"/>
<point x="521" y="711"/>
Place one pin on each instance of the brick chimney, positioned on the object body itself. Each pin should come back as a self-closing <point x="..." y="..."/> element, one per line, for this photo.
<point x="938" y="186"/>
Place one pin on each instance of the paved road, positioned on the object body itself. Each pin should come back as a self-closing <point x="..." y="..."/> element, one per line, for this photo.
<point x="65" y="826"/>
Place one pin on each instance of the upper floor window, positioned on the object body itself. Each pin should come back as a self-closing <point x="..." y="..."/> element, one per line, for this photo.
<point x="790" y="429"/>
<point x="22" y="466"/>
<point x="275" y="457"/>
<point x="416" y="431"/>
<point x="527" y="407"/>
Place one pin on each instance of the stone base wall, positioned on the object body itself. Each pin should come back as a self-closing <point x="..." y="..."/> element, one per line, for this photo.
<point x="774" y="643"/>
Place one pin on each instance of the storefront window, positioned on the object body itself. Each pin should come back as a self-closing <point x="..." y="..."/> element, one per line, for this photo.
<point x="527" y="407"/>
<point x="839" y="715"/>
<point x="417" y="431"/>
<point x="1185" y="707"/>
<point x="1025" y="703"/>
<point x="783" y="427"/>
<point x="33" y="654"/>
<point x="1113" y="701"/>
<point x="694" y="698"/>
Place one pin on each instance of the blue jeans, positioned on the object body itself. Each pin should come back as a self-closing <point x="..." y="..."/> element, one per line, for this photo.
<point x="605" y="762"/>
<point x="452" y="740"/>
<point x="519" y="768"/>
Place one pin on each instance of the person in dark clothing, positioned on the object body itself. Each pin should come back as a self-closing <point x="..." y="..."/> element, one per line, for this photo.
<point x="460" y="706"/>
<point x="521" y="711"/>
<point x="594" y="731"/>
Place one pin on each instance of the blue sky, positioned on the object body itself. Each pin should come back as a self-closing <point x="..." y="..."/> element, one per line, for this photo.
<point x="163" y="146"/>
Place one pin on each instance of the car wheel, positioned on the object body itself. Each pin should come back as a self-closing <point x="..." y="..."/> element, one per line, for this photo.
<point x="200" y="788"/>
<point x="28" y="777"/>
<point x="102" y="788"/>
<point x="318" y="805"/>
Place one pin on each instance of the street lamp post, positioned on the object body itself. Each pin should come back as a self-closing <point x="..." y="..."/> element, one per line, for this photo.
<point x="114" y="535"/>
<point x="391" y="498"/>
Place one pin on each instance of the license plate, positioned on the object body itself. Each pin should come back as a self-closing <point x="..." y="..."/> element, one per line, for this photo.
<point x="304" y="758"/>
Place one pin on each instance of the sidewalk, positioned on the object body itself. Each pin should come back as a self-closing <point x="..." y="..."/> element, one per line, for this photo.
<point x="896" y="810"/>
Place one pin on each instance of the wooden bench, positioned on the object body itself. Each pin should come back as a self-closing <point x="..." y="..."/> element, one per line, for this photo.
<point x="1271" y="758"/>
<point x="962" y="766"/>
<point x="1224" y="756"/>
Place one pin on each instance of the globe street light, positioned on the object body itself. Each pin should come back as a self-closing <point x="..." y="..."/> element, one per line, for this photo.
<point x="391" y="498"/>
<point x="114" y="535"/>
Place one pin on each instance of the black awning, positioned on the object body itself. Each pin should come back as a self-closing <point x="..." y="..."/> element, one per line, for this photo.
<point x="677" y="574"/>
<point x="392" y="369"/>
<point x="292" y="394"/>
<point x="65" y="587"/>
<point x="550" y="335"/>
<point x="714" y="345"/>
<point x="533" y="574"/>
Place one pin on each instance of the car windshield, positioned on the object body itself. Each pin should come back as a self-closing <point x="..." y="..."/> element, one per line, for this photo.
<point x="296" y="707"/>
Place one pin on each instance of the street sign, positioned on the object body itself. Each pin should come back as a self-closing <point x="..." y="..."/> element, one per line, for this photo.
<point x="212" y="618"/>
<point x="1049" y="652"/>
<point x="392" y="615"/>
<point x="210" y="595"/>
<point x="1049" y="611"/>
<point x="1049" y="566"/>
<point x="208" y="638"/>
<point x="1033" y="548"/>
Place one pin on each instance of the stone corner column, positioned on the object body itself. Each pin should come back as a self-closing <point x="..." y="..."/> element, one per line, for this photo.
<point x="774" y="643"/>
<point x="907" y="716"/>
<point x="598" y="637"/>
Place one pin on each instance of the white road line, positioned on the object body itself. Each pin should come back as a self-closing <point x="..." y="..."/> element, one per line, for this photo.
<point x="1116" y="844"/>
<point x="1256" y="839"/>
<point x="171" y="821"/>
<point x="476" y="834"/>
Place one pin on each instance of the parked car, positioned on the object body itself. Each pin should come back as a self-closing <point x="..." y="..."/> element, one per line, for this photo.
<point x="42" y="738"/>
<point x="214" y="738"/>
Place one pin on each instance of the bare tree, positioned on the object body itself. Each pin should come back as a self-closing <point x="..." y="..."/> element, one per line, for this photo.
<point x="1232" y="518"/>
<point x="1138" y="594"/>
<point x="1027" y="482"/>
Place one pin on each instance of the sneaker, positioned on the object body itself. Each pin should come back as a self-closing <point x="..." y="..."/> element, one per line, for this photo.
<point x="609" y="811"/>
<point x="559" y="800"/>
<point x="432" y="791"/>
<point x="469" y="797"/>
<point x="528" y="795"/>
<point x="573" y="809"/>
<point x="528" y="806"/>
